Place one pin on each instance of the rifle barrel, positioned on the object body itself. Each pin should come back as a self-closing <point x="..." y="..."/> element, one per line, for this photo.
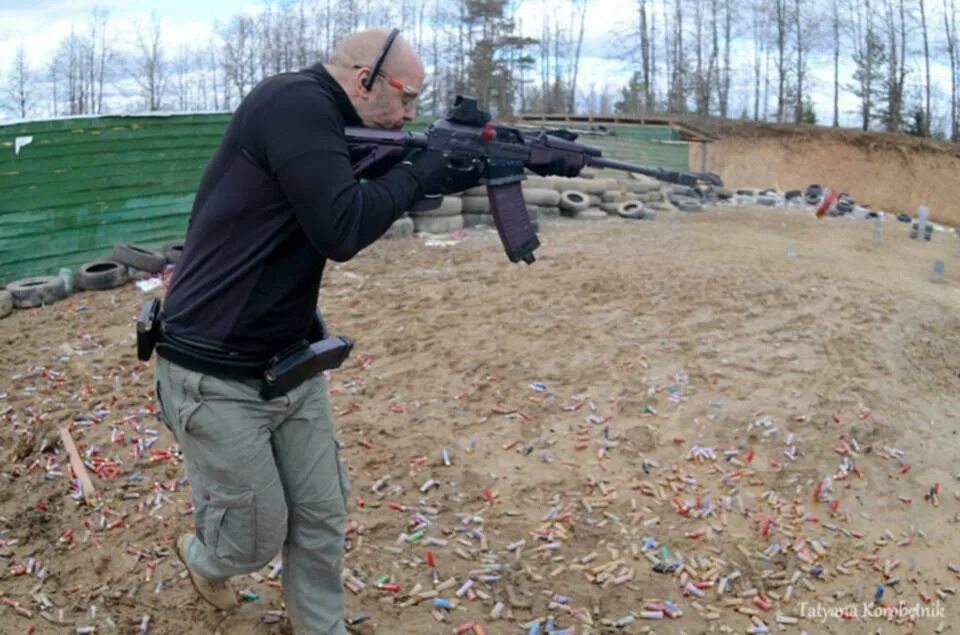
<point x="626" y="166"/>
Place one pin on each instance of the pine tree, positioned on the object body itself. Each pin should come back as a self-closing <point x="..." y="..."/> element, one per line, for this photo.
<point x="869" y="77"/>
<point x="496" y="54"/>
<point x="632" y="96"/>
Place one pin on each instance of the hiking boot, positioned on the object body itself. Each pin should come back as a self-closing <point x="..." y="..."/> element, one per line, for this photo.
<point x="216" y="593"/>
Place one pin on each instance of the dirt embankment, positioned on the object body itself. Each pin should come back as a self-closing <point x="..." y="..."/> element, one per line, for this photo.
<point x="895" y="173"/>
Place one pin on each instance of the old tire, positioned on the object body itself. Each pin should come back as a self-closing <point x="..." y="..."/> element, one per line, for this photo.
<point x="437" y="224"/>
<point x="6" y="304"/>
<point x="662" y="206"/>
<point x="139" y="257"/>
<point x="574" y="201"/>
<point x="476" y="205"/>
<point x="472" y="220"/>
<point x="639" y="187"/>
<point x="631" y="209"/>
<point x="652" y="196"/>
<point x="687" y="204"/>
<point x="401" y="228"/>
<point x="537" y="182"/>
<point x="591" y="213"/>
<point x="100" y="274"/>
<point x="33" y="292"/>
<point x="545" y="198"/>
<point x="769" y="201"/>
<point x="172" y="252"/>
<point x="610" y="208"/>
<point x="683" y="190"/>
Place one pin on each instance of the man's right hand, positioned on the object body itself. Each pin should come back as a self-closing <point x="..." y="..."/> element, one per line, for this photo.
<point x="437" y="176"/>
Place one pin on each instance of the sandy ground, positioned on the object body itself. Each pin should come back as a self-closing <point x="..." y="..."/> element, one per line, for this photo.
<point x="572" y="397"/>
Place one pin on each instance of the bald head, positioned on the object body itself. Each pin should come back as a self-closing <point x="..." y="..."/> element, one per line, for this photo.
<point x="390" y="100"/>
<point x="362" y="48"/>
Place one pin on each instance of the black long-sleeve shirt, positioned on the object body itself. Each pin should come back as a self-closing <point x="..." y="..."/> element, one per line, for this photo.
<point x="277" y="199"/>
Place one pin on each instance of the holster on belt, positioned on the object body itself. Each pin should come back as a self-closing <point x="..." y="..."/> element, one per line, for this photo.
<point x="148" y="329"/>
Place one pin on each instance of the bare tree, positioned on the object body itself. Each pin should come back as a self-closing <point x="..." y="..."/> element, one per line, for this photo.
<point x="182" y="84"/>
<point x="645" y="58"/>
<point x="950" y="30"/>
<point x="20" y="89"/>
<point x="69" y="61"/>
<point x="579" y="15"/>
<point x="677" y="97"/>
<point x="800" y="70"/>
<point x="723" y="85"/>
<point x="97" y="56"/>
<point x="926" y="63"/>
<point x="781" y="23"/>
<point x="759" y="57"/>
<point x="835" y="24"/>
<point x="239" y="55"/>
<point x="869" y="58"/>
<point x="896" y="32"/>
<point x="701" y="72"/>
<point x="150" y="70"/>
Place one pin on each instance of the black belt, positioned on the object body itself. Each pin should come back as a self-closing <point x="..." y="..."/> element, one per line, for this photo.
<point x="279" y="374"/>
<point x="209" y="360"/>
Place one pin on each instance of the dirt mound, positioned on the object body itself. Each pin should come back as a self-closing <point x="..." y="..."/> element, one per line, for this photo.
<point x="893" y="172"/>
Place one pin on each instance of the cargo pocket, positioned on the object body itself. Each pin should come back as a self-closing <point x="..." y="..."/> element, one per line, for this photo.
<point x="229" y="521"/>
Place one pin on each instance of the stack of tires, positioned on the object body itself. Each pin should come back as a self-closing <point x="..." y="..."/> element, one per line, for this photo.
<point x="685" y="199"/>
<point x="581" y="197"/>
<point x="476" y="207"/>
<point x="444" y="219"/>
<point x="401" y="228"/>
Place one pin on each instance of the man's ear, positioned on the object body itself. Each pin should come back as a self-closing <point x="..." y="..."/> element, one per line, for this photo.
<point x="359" y="79"/>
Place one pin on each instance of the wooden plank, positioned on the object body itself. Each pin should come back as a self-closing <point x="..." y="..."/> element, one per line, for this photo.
<point x="79" y="470"/>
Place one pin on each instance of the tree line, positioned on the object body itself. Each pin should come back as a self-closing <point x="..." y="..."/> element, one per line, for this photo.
<point x="752" y="59"/>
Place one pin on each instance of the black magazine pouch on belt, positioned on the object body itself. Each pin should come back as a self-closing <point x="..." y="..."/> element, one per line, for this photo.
<point x="293" y="366"/>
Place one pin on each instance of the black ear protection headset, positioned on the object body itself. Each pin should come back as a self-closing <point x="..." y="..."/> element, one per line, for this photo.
<point x="375" y="69"/>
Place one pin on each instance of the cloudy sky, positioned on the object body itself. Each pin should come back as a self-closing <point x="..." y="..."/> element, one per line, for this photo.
<point x="39" y="25"/>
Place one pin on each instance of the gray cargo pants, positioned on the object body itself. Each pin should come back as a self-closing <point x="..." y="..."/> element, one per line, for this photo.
<point x="265" y="475"/>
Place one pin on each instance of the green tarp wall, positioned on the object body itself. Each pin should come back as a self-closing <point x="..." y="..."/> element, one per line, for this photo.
<point x="81" y="185"/>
